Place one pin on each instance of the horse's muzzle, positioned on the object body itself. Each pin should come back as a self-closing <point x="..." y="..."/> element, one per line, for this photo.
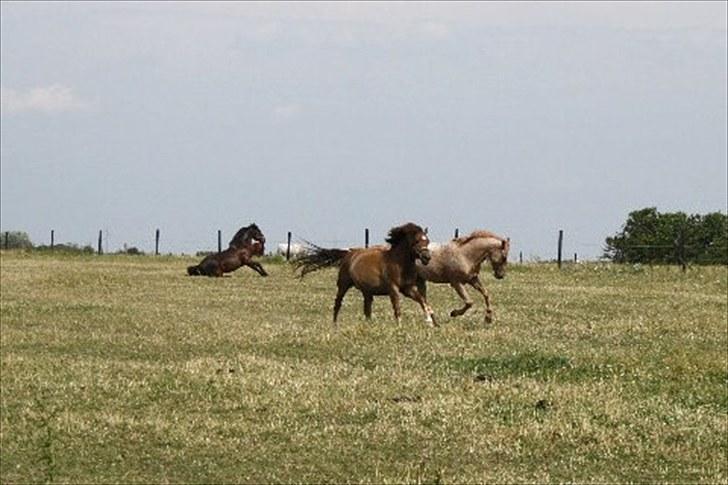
<point x="424" y="256"/>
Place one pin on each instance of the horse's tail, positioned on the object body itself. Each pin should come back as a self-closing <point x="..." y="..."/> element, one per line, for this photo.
<point x="316" y="258"/>
<point x="194" y="270"/>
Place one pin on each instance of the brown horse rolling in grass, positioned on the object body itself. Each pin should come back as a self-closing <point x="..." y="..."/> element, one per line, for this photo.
<point x="378" y="270"/>
<point x="247" y="242"/>
<point x="458" y="263"/>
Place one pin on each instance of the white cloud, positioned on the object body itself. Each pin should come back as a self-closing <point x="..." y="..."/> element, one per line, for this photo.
<point x="49" y="99"/>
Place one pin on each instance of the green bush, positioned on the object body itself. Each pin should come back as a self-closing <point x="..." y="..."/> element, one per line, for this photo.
<point x="131" y="250"/>
<point x="15" y="240"/>
<point x="69" y="248"/>
<point x="673" y="238"/>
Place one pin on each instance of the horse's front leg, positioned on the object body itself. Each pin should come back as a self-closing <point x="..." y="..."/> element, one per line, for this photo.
<point x="463" y="294"/>
<point x="475" y="283"/>
<point x="413" y="292"/>
<point x="422" y="287"/>
<point x="257" y="267"/>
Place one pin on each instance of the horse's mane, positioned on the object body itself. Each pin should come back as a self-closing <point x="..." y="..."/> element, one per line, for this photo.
<point x="475" y="235"/>
<point x="397" y="234"/>
<point x="242" y="235"/>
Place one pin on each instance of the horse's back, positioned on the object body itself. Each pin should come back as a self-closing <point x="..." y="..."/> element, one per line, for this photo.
<point x="446" y="265"/>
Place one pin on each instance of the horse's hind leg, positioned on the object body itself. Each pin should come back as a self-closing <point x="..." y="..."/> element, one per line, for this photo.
<point x="475" y="283"/>
<point x="463" y="294"/>
<point x="368" y="300"/>
<point x="343" y="284"/>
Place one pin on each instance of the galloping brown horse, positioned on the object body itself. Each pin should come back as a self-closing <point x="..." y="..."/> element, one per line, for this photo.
<point x="377" y="270"/>
<point x="458" y="263"/>
<point x="247" y="242"/>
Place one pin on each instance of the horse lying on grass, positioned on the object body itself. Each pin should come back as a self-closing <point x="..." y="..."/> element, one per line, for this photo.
<point x="247" y="242"/>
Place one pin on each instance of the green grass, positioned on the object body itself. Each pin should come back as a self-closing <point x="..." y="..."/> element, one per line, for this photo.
<point x="122" y="369"/>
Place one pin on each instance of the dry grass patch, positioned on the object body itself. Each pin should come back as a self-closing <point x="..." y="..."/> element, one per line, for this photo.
<point x="123" y="369"/>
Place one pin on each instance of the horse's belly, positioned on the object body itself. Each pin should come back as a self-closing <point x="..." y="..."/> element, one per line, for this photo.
<point x="366" y="273"/>
<point x="432" y="273"/>
<point x="371" y="284"/>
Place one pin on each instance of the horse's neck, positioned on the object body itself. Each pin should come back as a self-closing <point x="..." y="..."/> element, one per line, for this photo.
<point x="241" y="238"/>
<point x="401" y="253"/>
<point x="245" y="237"/>
<point x="479" y="249"/>
<point x="240" y="243"/>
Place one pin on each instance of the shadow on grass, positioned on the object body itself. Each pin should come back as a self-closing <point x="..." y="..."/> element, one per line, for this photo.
<point x="710" y="389"/>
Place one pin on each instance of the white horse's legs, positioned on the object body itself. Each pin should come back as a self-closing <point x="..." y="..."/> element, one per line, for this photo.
<point x="460" y="289"/>
<point x="475" y="283"/>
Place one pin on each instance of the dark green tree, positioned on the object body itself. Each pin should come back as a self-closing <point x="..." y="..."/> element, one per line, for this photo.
<point x="673" y="238"/>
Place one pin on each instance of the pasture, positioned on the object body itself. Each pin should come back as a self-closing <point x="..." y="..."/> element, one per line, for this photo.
<point x="122" y="369"/>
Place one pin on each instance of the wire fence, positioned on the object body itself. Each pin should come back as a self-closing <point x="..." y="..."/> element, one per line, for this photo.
<point x="293" y="245"/>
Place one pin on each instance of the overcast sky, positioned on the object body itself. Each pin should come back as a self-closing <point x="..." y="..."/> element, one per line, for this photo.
<point x="326" y="118"/>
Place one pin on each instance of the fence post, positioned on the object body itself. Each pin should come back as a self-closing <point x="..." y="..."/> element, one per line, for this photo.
<point x="680" y="249"/>
<point x="288" y="247"/>
<point x="575" y="260"/>
<point x="457" y="232"/>
<point x="561" y="241"/>
<point x="53" y="237"/>
<point x="366" y="237"/>
<point x="7" y="235"/>
<point x="156" y="243"/>
<point x="219" y="241"/>
<point x="100" y="241"/>
<point x="520" y="257"/>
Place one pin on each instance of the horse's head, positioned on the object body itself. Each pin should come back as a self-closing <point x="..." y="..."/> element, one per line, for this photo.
<point x="249" y="236"/>
<point x="258" y="248"/>
<point x="256" y="237"/>
<point x="415" y="239"/>
<point x="499" y="258"/>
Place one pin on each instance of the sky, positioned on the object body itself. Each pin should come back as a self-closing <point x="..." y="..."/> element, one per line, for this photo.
<point x="327" y="118"/>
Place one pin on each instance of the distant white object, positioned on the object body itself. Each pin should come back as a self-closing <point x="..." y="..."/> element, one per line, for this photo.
<point x="296" y="249"/>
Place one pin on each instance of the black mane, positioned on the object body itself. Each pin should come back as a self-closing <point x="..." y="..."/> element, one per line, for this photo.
<point x="245" y="234"/>
<point x="400" y="233"/>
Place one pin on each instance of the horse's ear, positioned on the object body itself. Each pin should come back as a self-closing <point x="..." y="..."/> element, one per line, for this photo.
<point x="505" y="242"/>
<point x="426" y="230"/>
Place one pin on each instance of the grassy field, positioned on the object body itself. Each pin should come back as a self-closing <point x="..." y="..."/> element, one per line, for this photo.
<point x="122" y="369"/>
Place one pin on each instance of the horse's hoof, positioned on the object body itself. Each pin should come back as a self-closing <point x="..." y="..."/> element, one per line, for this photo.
<point x="488" y="319"/>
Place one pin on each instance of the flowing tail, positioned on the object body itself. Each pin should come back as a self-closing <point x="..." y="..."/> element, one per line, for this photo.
<point x="317" y="258"/>
<point x="194" y="270"/>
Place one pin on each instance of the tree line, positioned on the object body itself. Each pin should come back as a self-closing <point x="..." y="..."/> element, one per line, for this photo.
<point x="652" y="237"/>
